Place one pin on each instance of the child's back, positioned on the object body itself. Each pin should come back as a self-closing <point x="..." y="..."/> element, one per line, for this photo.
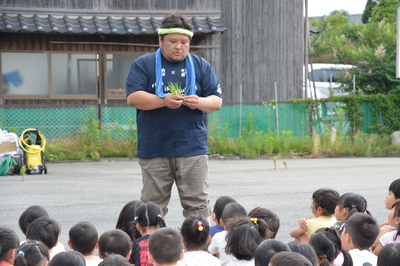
<point x="323" y="208"/>
<point x="219" y="206"/>
<point x="195" y="233"/>
<point x="359" y="232"/>
<point x="114" y="242"/>
<point x="9" y="242"/>
<point x="218" y="242"/>
<point x="83" y="237"/>
<point x="148" y="219"/>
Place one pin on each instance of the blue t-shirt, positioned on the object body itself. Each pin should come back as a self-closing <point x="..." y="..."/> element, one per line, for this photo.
<point x="166" y="132"/>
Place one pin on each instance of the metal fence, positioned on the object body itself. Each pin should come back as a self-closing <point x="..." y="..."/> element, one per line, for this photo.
<point x="69" y="122"/>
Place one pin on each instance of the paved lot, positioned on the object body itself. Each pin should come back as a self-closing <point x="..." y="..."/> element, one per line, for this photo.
<point x="96" y="191"/>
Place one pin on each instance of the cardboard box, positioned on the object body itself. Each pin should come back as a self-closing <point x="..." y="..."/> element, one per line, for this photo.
<point x="7" y="146"/>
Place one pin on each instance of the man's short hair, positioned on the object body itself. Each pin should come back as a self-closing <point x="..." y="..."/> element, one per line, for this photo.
<point x="289" y="258"/>
<point x="44" y="229"/>
<point x="83" y="237"/>
<point x="165" y="245"/>
<point x="176" y="20"/>
<point x="114" y="241"/>
<point x="363" y="230"/>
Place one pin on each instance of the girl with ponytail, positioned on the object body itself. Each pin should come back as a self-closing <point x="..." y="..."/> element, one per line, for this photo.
<point x="148" y="218"/>
<point x="32" y="253"/>
<point x="326" y="243"/>
<point x="244" y="236"/>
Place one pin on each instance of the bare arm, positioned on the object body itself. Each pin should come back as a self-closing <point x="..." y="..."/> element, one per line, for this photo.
<point x="147" y="101"/>
<point x="207" y="104"/>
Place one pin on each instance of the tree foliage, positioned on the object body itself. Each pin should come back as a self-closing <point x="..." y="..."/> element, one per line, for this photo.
<point x="369" y="6"/>
<point x="370" y="47"/>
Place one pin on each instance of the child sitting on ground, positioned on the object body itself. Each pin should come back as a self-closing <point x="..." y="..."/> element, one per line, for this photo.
<point x="267" y="249"/>
<point x="165" y="247"/>
<point x="195" y="233"/>
<point x="149" y="218"/>
<point x="348" y="204"/>
<point x="219" y="206"/>
<point x="392" y="236"/>
<point x="389" y="255"/>
<point x="29" y="215"/>
<point x="269" y="217"/>
<point x="323" y="208"/>
<point x="47" y="231"/>
<point x="114" y="260"/>
<point x="244" y="236"/>
<point x="32" y="253"/>
<point x="126" y="218"/>
<point x="359" y="232"/>
<point x="68" y="258"/>
<point x="83" y="237"/>
<point x="114" y="242"/>
<point x="218" y="242"/>
<point x="392" y="196"/>
<point x="9" y="243"/>
<point x="327" y="244"/>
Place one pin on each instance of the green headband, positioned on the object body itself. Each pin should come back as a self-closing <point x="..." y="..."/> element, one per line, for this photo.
<point x="162" y="31"/>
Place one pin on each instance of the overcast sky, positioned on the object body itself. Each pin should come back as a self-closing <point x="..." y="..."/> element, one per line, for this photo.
<point x="324" y="7"/>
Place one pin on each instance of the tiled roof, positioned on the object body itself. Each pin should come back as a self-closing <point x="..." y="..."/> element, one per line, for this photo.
<point x="99" y="23"/>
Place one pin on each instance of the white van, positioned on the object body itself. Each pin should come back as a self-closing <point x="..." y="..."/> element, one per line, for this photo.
<point x="323" y="75"/>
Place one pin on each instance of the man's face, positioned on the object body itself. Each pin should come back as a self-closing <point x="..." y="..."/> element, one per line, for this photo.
<point x="175" y="47"/>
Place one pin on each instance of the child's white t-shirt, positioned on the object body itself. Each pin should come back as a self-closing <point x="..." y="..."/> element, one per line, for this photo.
<point x="94" y="262"/>
<point x="218" y="244"/>
<point x="199" y="258"/>
<point x="236" y="262"/>
<point x="388" y="238"/>
<point x="359" y="257"/>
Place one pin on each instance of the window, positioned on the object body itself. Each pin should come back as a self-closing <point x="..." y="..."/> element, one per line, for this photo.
<point x="49" y="75"/>
<point x="118" y="66"/>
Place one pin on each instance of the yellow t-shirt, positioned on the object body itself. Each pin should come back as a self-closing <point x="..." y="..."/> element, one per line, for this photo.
<point x="317" y="223"/>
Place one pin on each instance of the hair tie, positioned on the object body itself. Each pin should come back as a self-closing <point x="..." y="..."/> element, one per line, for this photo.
<point x="254" y="220"/>
<point x="200" y="226"/>
<point x="21" y="253"/>
<point x="353" y="206"/>
<point x="323" y="257"/>
<point x="136" y="218"/>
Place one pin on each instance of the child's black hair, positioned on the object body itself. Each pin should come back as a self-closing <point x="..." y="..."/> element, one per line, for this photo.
<point x="149" y="214"/>
<point x="83" y="237"/>
<point x="267" y="249"/>
<point x="29" y="215"/>
<point x="269" y="217"/>
<point x="219" y="206"/>
<point x="68" y="258"/>
<point x="195" y="231"/>
<point x="114" y="241"/>
<point x="389" y="255"/>
<point x="396" y="213"/>
<point x="126" y="218"/>
<point x="363" y="230"/>
<point x="165" y="246"/>
<point x="8" y="242"/>
<point x="305" y="250"/>
<point x="285" y="258"/>
<point x="327" y="244"/>
<point x="244" y="236"/>
<point x="31" y="253"/>
<point x="326" y="199"/>
<point x="232" y="210"/>
<point x="44" y="229"/>
<point x="395" y="188"/>
<point x="354" y="202"/>
<point x="115" y="260"/>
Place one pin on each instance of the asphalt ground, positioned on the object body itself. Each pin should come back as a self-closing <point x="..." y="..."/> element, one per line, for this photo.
<point x="97" y="191"/>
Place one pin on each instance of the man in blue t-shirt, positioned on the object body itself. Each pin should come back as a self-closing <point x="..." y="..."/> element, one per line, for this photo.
<point x="172" y="132"/>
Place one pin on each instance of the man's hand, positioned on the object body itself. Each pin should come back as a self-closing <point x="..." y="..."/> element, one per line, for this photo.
<point x="191" y="101"/>
<point x="173" y="101"/>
